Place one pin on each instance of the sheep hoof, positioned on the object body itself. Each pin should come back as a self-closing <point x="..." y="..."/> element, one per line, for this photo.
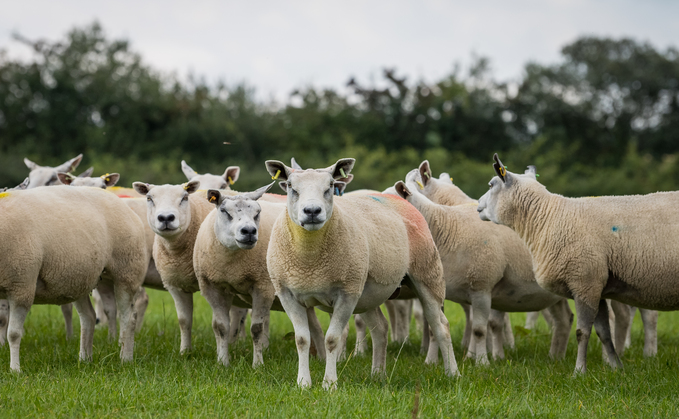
<point x="330" y="385"/>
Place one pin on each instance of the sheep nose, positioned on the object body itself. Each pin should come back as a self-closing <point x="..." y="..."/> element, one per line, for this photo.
<point x="312" y="211"/>
<point x="166" y="218"/>
<point x="248" y="230"/>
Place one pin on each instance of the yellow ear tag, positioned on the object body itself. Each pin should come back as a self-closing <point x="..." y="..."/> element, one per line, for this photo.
<point x="342" y="172"/>
<point x="421" y="185"/>
<point x="427" y="175"/>
<point x="451" y="178"/>
<point x="231" y="182"/>
<point x="278" y="173"/>
<point x="503" y="171"/>
<point x="213" y="198"/>
<point x="185" y="186"/>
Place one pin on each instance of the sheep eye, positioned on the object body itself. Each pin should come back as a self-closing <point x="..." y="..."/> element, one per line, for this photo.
<point x="327" y="192"/>
<point x="257" y="216"/>
<point x="148" y="198"/>
<point x="294" y="192"/>
<point x="185" y="198"/>
<point x="227" y="214"/>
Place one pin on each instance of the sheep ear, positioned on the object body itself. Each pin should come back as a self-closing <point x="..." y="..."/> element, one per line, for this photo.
<point x="24" y="184"/>
<point x="70" y="165"/>
<point x="284" y="186"/>
<point x="339" y="187"/>
<point x="87" y="173"/>
<point x="342" y="168"/>
<point x="142" y="188"/>
<point x="256" y="194"/>
<point x="500" y="168"/>
<point x="231" y="174"/>
<point x="214" y="196"/>
<point x="425" y="172"/>
<point x="65" y="178"/>
<point x="192" y="186"/>
<point x="402" y="190"/>
<point x="31" y="165"/>
<point x="110" y="179"/>
<point x="188" y="171"/>
<point x="278" y="170"/>
<point x="346" y="180"/>
<point x="445" y="177"/>
<point x="531" y="170"/>
<point x="294" y="165"/>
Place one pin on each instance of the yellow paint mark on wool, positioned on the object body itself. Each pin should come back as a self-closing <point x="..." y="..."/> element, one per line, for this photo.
<point x="4" y="194"/>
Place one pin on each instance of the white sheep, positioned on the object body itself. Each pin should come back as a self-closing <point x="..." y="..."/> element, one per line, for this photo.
<point x="349" y="255"/>
<point x="230" y="261"/>
<point x="57" y="244"/>
<point x="488" y="267"/>
<point x="589" y="249"/>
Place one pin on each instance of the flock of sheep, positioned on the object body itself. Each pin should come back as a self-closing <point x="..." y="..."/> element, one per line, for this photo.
<point x="345" y="253"/>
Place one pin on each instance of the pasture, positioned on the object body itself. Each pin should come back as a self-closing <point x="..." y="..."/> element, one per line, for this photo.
<point x="160" y="382"/>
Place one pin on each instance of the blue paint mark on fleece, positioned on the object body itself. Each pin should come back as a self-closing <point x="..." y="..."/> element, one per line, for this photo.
<point x="380" y="200"/>
<point x="615" y="229"/>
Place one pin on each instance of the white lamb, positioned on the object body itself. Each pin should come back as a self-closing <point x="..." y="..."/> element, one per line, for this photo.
<point x="589" y="249"/>
<point x="57" y="244"/>
<point x="349" y="255"/>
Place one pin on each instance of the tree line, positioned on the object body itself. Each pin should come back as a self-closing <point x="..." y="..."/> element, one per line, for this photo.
<point x="602" y="120"/>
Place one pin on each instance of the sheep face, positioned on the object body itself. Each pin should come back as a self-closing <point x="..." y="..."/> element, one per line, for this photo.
<point x="47" y="176"/>
<point x="210" y="181"/>
<point x="311" y="191"/>
<point x="489" y="202"/>
<point x="168" y="209"/>
<point x="102" y="182"/>
<point x="237" y="222"/>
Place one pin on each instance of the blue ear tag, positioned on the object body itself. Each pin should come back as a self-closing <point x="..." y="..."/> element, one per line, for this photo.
<point x="337" y="192"/>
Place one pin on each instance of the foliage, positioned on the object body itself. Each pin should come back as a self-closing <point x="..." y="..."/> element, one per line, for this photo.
<point x="603" y="120"/>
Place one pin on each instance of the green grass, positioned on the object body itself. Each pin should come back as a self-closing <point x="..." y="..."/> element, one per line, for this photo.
<point x="161" y="382"/>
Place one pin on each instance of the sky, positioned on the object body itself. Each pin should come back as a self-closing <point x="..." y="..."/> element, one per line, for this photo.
<point x="277" y="46"/>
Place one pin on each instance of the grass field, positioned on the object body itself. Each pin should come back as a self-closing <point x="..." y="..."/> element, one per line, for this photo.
<point x="160" y="382"/>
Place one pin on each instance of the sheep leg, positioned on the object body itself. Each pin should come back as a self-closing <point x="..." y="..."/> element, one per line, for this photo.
<point x="343" y="308"/>
<point x="622" y="324"/>
<point x="603" y="330"/>
<point x="99" y="308"/>
<point x="183" y="302"/>
<point x="433" y="350"/>
<point x="508" y="332"/>
<point x="531" y="320"/>
<point x="548" y="318"/>
<point x="108" y="302"/>
<point x="361" y="336"/>
<point x="562" y="319"/>
<point x="342" y="351"/>
<point x="15" y="330"/>
<point x="467" y="337"/>
<point x="4" y="321"/>
<point x="496" y="323"/>
<point x="67" y="311"/>
<point x="300" y="322"/>
<point x="650" y="319"/>
<point x="140" y="307"/>
<point x="125" y="299"/>
<point x="379" y="331"/>
<point x="433" y="311"/>
<point x="237" y="316"/>
<point x="399" y="318"/>
<point x="628" y="339"/>
<point x="424" y="346"/>
<point x="586" y="315"/>
<point x="261" y="309"/>
<point x="417" y="313"/>
<point x="220" y="302"/>
<point x="481" y="312"/>
<point x="88" y="319"/>
<point x="316" y="332"/>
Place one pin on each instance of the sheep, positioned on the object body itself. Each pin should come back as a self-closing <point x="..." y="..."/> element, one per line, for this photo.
<point x="47" y="176"/>
<point x="487" y="267"/>
<point x="590" y="249"/>
<point x="348" y="255"/>
<point x="444" y="192"/>
<point x="84" y="179"/>
<point x="57" y="244"/>
<point x="229" y="259"/>
<point x="210" y="181"/>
